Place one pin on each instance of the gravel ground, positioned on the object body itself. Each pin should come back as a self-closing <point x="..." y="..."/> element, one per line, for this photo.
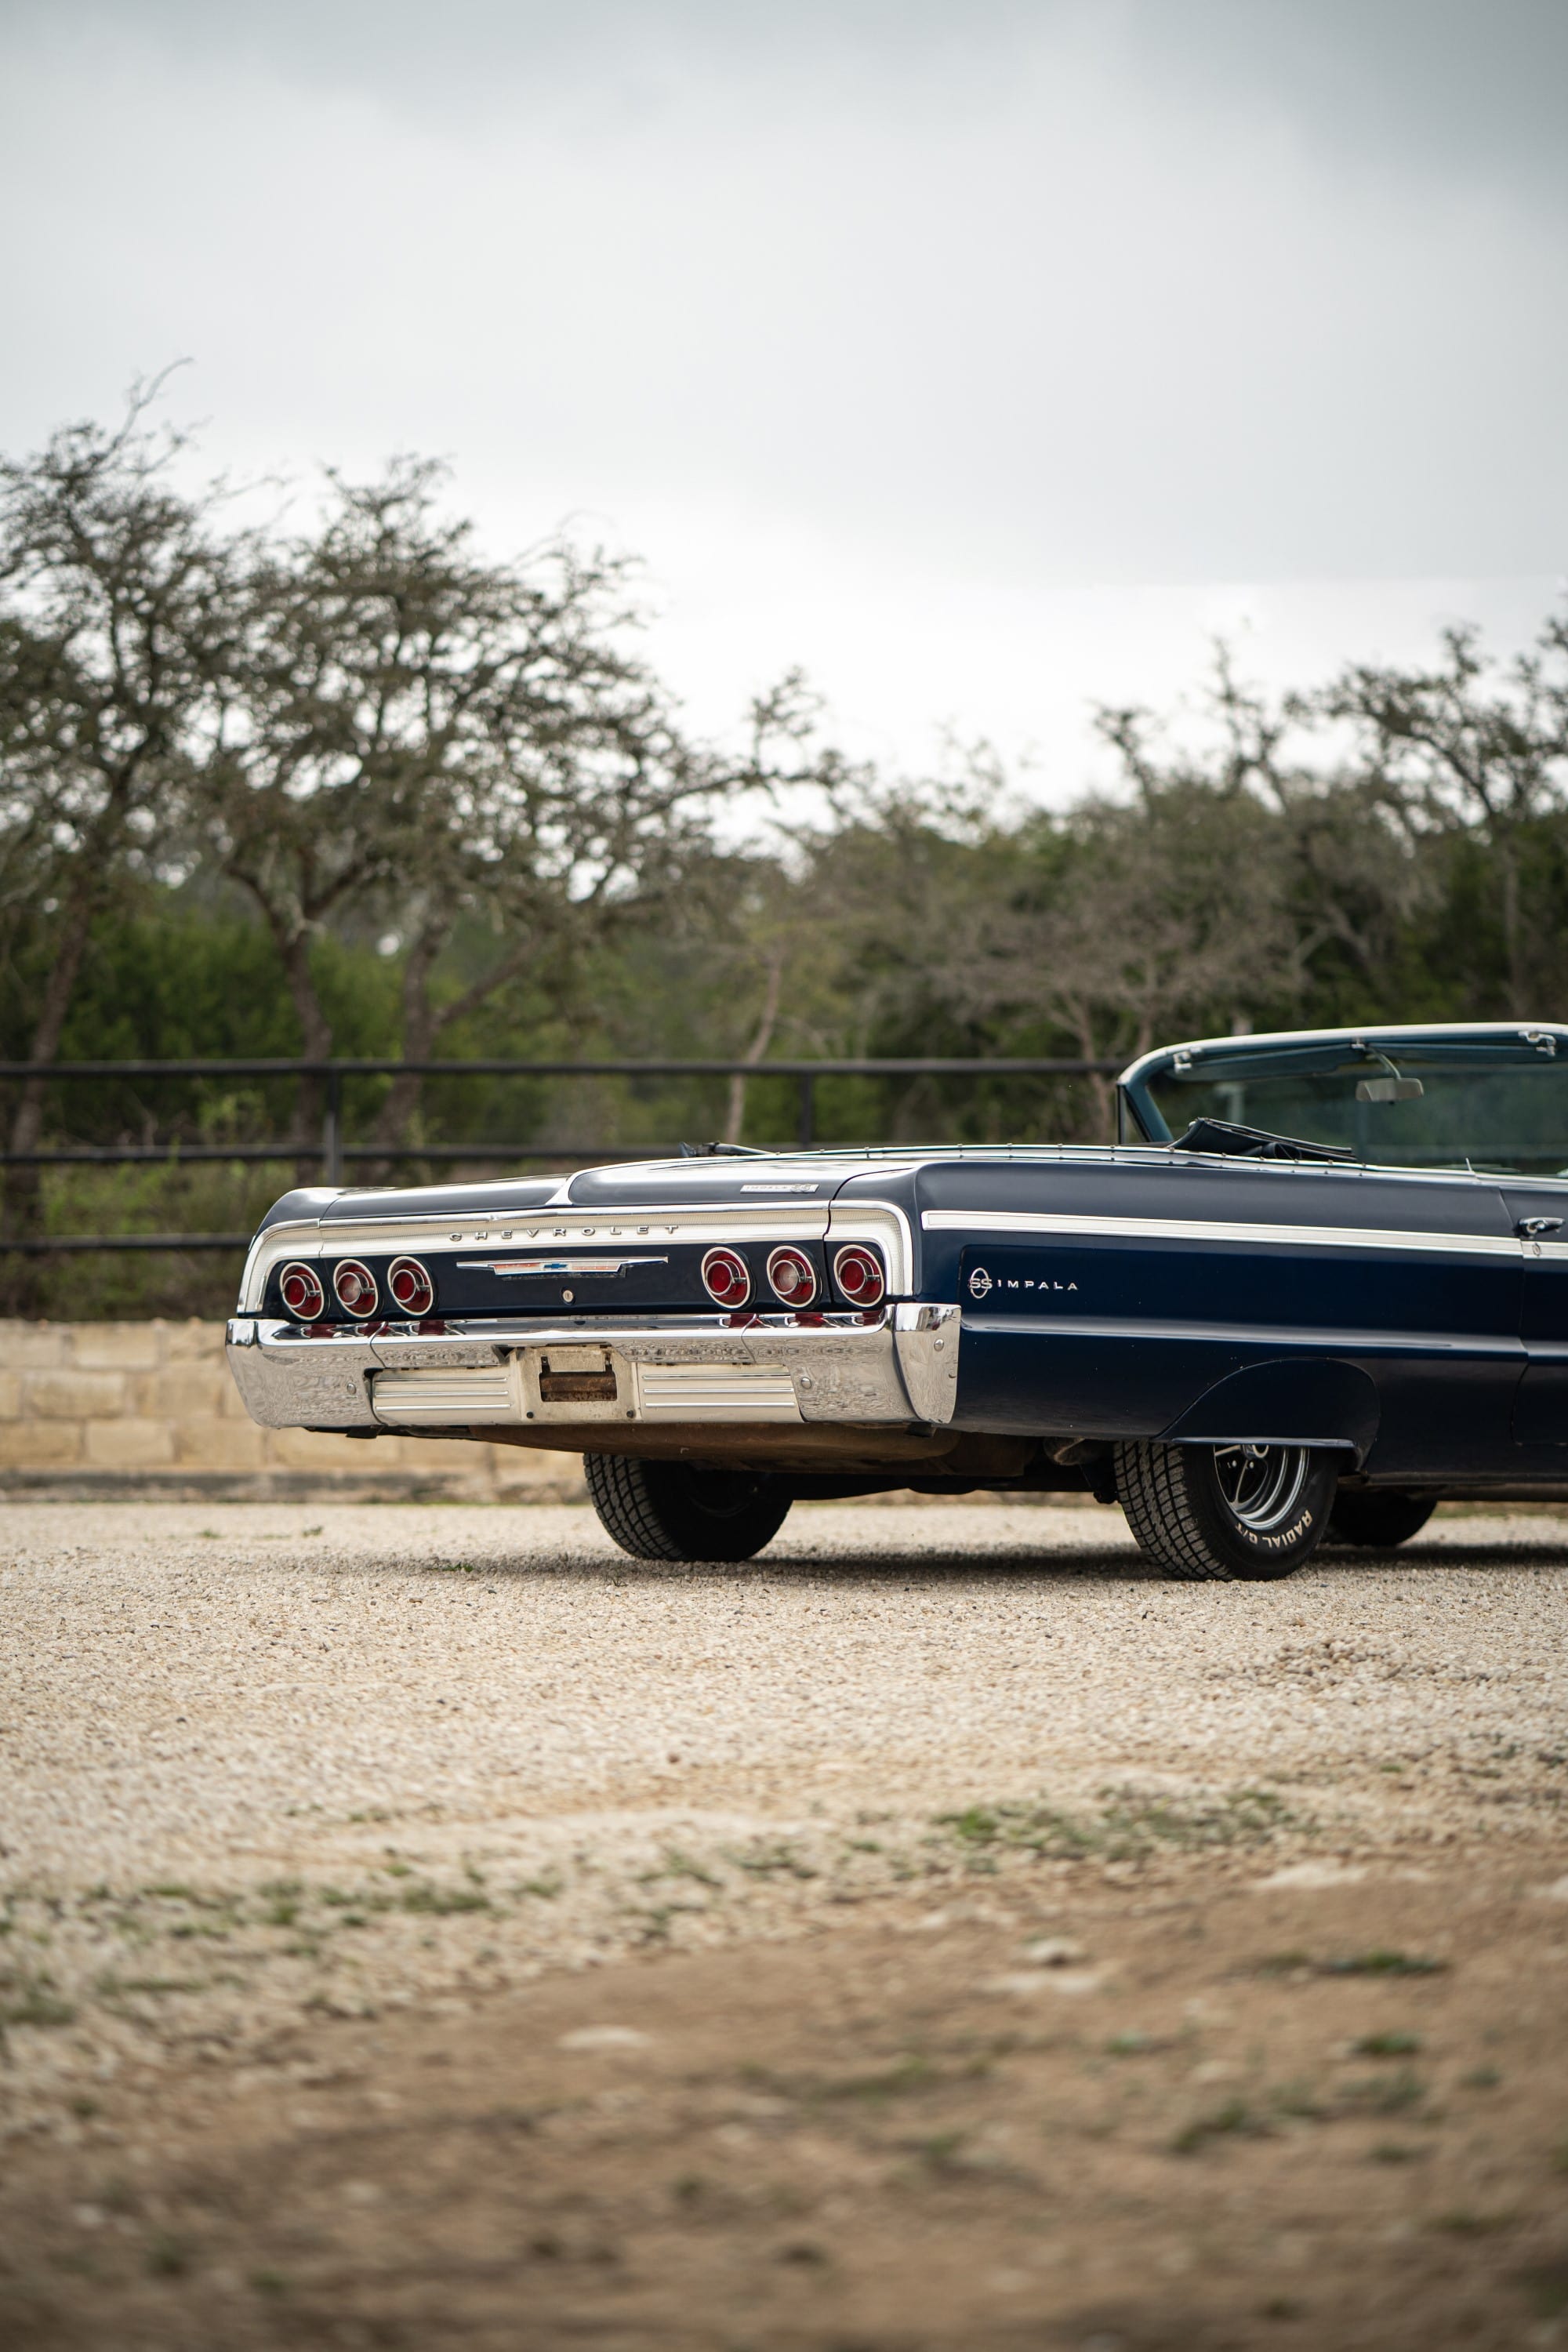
<point x="477" y="1736"/>
<point x="270" y="1773"/>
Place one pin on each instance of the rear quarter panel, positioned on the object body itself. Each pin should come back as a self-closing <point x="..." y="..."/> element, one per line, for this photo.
<point x="1105" y="1296"/>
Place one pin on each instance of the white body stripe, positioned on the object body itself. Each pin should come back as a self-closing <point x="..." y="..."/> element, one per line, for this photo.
<point x="1002" y="1222"/>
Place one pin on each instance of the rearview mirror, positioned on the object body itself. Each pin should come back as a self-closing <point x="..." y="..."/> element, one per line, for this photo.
<point x="1389" y="1090"/>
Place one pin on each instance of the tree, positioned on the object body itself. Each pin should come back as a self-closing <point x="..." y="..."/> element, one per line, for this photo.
<point x="117" y="623"/>
<point x="1473" y="747"/>
<point x="425" y="741"/>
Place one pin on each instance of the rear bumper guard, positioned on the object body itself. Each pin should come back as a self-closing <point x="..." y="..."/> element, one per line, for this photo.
<point x="897" y="1366"/>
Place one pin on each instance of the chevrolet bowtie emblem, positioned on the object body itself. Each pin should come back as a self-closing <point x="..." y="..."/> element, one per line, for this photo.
<point x="554" y="1266"/>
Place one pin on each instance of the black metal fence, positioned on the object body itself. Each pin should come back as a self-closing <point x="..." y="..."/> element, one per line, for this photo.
<point x="335" y="1157"/>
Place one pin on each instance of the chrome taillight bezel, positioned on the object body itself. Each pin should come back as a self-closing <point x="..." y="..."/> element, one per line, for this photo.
<point x="424" y="1298"/>
<point x="353" y="1271"/>
<point x="312" y="1306"/>
<point x="872" y="1287"/>
<point x="732" y="1260"/>
<point x="804" y="1290"/>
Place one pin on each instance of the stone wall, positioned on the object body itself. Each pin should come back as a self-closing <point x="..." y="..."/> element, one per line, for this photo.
<point x="151" y="1406"/>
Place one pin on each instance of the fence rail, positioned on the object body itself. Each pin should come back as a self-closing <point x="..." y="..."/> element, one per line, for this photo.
<point x="335" y="1155"/>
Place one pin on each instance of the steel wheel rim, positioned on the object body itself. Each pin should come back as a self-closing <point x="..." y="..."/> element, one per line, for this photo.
<point x="1262" y="1483"/>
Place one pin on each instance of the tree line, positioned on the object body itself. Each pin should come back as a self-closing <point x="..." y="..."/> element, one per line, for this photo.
<point x="355" y="786"/>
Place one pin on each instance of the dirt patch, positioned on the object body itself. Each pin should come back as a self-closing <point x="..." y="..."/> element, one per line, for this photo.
<point x="1193" y="2112"/>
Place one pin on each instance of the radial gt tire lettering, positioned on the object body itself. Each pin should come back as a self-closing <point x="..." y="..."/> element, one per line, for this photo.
<point x="1208" y="1513"/>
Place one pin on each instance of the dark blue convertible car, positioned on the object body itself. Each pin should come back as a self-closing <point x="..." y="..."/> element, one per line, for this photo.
<point x="1319" y="1283"/>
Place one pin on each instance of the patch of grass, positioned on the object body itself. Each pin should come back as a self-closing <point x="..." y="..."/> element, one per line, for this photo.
<point x="1464" y="2223"/>
<point x="673" y="1863"/>
<point x="1387" y="2045"/>
<point x="1395" y="2151"/>
<point x="1298" y="2101"/>
<point x="1233" y="2119"/>
<point x="910" y="2073"/>
<point x="167" y="2257"/>
<point x="1356" y="1964"/>
<point x="1132" y="2045"/>
<point x="28" y="1999"/>
<point x="271" y="2284"/>
<point x="1130" y="1825"/>
<point x="114" y="1988"/>
<point x="1019" y="1827"/>
<point x="780" y="1861"/>
<point x="1387" y="2095"/>
<point x="438" y="1902"/>
<point x="546" y="1887"/>
<point x="1481" y="2078"/>
<point x="1384" y="1964"/>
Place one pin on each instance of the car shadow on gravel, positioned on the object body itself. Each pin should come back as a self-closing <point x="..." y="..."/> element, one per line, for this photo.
<point x="1106" y="1565"/>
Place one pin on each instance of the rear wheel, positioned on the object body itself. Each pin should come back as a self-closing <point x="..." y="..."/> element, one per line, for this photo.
<point x="1220" y="1511"/>
<point x="1378" y="1521"/>
<point x="667" y="1510"/>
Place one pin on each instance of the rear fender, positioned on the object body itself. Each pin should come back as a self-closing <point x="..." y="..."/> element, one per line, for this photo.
<point x="1289" y="1401"/>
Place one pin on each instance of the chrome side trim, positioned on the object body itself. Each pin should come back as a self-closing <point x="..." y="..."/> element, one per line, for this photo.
<point x="1002" y="1222"/>
<point x="882" y="1222"/>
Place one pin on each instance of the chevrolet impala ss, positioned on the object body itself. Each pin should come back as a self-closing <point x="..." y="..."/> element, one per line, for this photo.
<point x="1319" y="1283"/>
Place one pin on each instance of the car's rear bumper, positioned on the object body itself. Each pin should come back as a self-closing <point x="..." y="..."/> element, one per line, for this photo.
<point x="897" y="1367"/>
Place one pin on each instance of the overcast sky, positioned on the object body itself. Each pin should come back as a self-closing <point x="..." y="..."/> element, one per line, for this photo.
<point x="985" y="356"/>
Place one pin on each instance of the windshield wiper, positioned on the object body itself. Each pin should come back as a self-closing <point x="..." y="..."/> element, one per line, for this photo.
<point x="1253" y="1143"/>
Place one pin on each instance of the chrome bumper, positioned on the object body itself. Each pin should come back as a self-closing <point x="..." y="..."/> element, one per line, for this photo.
<point x="899" y="1367"/>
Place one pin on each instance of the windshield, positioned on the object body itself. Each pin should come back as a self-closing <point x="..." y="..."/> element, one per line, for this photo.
<point x="1396" y="1102"/>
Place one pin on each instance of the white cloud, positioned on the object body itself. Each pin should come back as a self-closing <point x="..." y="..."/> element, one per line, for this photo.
<point x="917" y="361"/>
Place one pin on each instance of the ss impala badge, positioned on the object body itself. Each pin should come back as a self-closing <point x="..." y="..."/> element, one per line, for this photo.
<point x="979" y="1283"/>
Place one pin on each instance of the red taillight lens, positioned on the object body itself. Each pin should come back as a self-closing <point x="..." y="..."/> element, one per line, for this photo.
<point x="411" y="1286"/>
<point x="859" y="1276"/>
<point x="793" y="1276"/>
<point x="301" y="1292"/>
<point x="355" y="1286"/>
<point x="725" y="1278"/>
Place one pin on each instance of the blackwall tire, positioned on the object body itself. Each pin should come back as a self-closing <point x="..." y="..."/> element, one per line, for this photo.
<point x="1208" y="1512"/>
<point x="667" y="1510"/>
<point x="1378" y="1521"/>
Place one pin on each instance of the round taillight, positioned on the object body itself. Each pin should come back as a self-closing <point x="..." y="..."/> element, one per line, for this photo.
<point x="793" y="1276"/>
<point x="355" y="1286"/>
<point x="411" y="1286"/>
<point x="301" y="1289"/>
<point x="859" y="1276"/>
<point x="725" y="1278"/>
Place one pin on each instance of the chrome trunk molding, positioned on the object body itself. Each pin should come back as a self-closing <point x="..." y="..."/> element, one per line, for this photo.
<point x="434" y="1238"/>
